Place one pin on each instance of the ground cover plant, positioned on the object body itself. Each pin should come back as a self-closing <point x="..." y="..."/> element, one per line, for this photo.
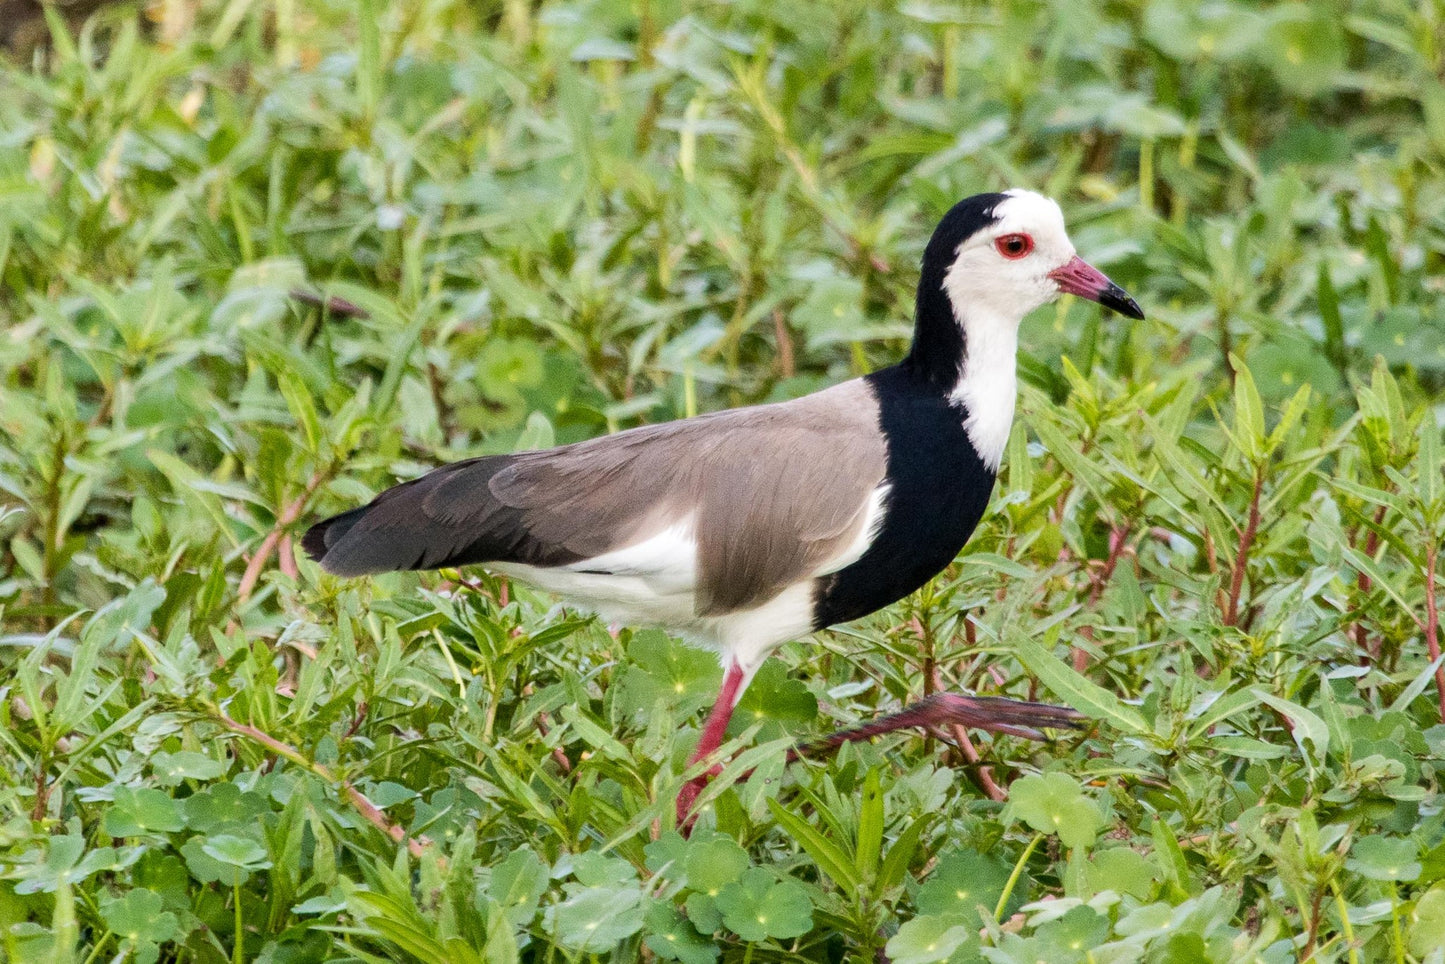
<point x="259" y="260"/>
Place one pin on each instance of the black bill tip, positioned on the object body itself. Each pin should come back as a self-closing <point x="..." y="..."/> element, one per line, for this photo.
<point x="1117" y="299"/>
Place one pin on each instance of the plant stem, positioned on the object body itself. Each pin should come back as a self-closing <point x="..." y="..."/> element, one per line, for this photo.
<point x="1398" y="938"/>
<point x="287" y="517"/>
<point x="98" y="946"/>
<point x="1432" y="618"/>
<point x="1364" y="584"/>
<point x="1118" y="535"/>
<point x="368" y="810"/>
<point x="238" y="947"/>
<point x="1241" y="558"/>
<point x="1345" y="925"/>
<point x="1013" y="878"/>
<point x="982" y="773"/>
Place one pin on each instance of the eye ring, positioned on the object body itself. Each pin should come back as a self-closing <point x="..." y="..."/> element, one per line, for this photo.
<point x="1014" y="246"/>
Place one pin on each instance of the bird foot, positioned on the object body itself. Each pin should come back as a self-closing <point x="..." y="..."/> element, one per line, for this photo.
<point x="992" y="714"/>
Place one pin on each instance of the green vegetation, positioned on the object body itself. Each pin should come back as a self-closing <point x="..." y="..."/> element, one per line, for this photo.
<point x="260" y="259"/>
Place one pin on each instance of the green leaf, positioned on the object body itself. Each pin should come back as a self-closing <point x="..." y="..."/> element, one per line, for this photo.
<point x="663" y="668"/>
<point x="222" y="804"/>
<point x="758" y="906"/>
<point x="1055" y="803"/>
<point x="1121" y="870"/>
<point x="236" y="851"/>
<point x="142" y="923"/>
<point x="143" y="810"/>
<point x="1065" y="449"/>
<point x="1306" y="726"/>
<point x="209" y="870"/>
<point x="1427" y="922"/>
<point x="1328" y="300"/>
<point x="1384" y="858"/>
<point x="1086" y="697"/>
<point x="930" y="938"/>
<point x="1294" y="409"/>
<point x="1428" y="465"/>
<point x="1226" y="706"/>
<point x="595" y="869"/>
<point x="595" y="919"/>
<point x="900" y="854"/>
<point x="774" y="696"/>
<point x="829" y="857"/>
<point x="870" y="825"/>
<point x="170" y="769"/>
<point x="517" y="885"/>
<point x="1169" y="854"/>
<point x="1248" y="412"/>
<point x="1078" y="931"/>
<point x="966" y="886"/>
<point x="140" y="915"/>
<point x="713" y="863"/>
<point x="673" y="938"/>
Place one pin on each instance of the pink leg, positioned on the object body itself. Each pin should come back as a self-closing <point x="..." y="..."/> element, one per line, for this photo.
<point x="711" y="739"/>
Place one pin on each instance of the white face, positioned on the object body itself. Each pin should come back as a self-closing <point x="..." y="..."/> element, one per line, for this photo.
<point x="1002" y="272"/>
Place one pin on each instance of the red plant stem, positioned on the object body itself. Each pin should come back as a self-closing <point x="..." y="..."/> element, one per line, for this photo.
<point x="42" y="791"/>
<point x="981" y="773"/>
<point x="287" y="517"/>
<point x="930" y="665"/>
<point x="1432" y="618"/>
<point x="1241" y="558"/>
<point x="1364" y="583"/>
<point x="1118" y="536"/>
<point x="787" y="368"/>
<point x="558" y="753"/>
<point x="368" y="810"/>
<point x="286" y="558"/>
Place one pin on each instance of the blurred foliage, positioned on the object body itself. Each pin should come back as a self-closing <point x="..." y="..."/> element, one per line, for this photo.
<point x="259" y="260"/>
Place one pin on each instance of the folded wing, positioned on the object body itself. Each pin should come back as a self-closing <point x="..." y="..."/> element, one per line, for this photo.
<point x="767" y="496"/>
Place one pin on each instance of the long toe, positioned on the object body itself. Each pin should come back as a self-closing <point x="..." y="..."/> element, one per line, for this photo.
<point x="993" y="714"/>
<point x="999" y="715"/>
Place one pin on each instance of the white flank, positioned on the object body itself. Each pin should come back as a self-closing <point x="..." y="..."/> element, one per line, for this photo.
<point x="748" y="637"/>
<point x="650" y="583"/>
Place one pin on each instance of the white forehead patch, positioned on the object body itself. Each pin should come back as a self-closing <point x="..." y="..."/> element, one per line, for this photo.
<point x="1034" y="214"/>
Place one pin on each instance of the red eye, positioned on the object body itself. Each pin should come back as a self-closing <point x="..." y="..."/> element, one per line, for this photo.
<point x="1014" y="246"/>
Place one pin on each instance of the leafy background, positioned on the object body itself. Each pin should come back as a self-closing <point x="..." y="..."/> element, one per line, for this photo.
<point x="260" y="259"/>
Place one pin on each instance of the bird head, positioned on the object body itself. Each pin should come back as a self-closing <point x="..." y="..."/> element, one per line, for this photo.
<point x="1003" y="255"/>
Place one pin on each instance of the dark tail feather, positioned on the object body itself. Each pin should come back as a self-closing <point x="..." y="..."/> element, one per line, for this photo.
<point x="448" y="517"/>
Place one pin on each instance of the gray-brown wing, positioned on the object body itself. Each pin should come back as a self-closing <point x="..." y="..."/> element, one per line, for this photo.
<point x="772" y="493"/>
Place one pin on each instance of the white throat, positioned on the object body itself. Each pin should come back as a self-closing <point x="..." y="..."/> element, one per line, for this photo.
<point x="988" y="382"/>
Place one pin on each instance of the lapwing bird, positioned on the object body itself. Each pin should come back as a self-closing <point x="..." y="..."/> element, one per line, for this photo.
<point x="743" y="529"/>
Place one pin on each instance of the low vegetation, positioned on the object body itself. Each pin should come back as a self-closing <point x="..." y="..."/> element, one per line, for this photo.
<point x="259" y="260"/>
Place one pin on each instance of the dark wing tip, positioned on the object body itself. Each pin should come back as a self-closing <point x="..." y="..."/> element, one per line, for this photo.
<point x="321" y="540"/>
<point x="314" y="541"/>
